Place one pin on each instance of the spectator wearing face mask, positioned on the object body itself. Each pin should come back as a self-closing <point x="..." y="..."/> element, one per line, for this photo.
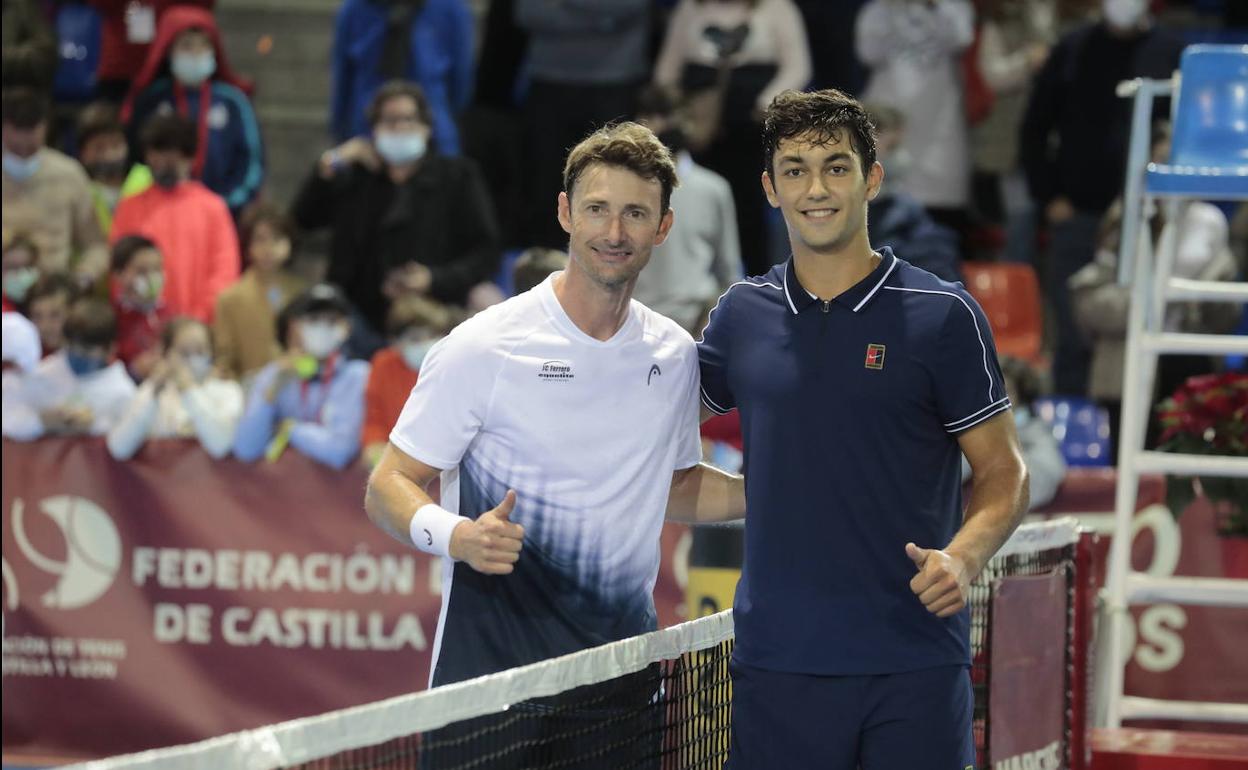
<point x="312" y="398"/>
<point x="20" y="265"/>
<point x="127" y="30"/>
<point x="21" y="354"/>
<point x="1073" y="149"/>
<point x="403" y="220"/>
<point x="187" y="73"/>
<point x="46" y="194"/>
<point x="137" y="293"/>
<point x="189" y="223"/>
<point x="701" y="257"/>
<point x="47" y="306"/>
<point x="415" y="326"/>
<point x="81" y="390"/>
<point x="182" y="398"/>
<point x="105" y="154"/>
<point x="912" y="48"/>
<point x="897" y="218"/>
<point x="245" y="325"/>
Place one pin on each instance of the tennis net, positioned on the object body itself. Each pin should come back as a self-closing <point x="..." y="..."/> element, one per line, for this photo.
<point x="662" y="701"/>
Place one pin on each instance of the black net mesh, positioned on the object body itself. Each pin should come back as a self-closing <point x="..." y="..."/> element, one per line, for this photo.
<point x="672" y="714"/>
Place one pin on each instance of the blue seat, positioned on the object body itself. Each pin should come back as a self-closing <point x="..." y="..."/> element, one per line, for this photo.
<point x="1081" y="428"/>
<point x="1209" y="151"/>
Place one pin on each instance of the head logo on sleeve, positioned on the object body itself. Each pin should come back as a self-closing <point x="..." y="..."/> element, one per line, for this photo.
<point x="875" y="357"/>
<point x="654" y="369"/>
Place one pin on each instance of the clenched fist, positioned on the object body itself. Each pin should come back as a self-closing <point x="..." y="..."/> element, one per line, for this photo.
<point x="942" y="583"/>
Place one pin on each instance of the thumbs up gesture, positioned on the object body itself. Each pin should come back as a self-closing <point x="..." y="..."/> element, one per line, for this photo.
<point x="491" y="544"/>
<point x="942" y="582"/>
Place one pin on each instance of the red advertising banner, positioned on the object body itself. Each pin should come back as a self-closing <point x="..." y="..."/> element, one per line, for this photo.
<point x="174" y="597"/>
<point x="1027" y="687"/>
<point x="1174" y="652"/>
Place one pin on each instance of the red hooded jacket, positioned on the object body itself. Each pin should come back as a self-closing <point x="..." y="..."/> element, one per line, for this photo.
<point x="120" y="57"/>
<point x="173" y="22"/>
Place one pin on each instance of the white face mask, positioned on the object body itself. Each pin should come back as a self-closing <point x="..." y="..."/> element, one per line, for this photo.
<point x="400" y="148"/>
<point x="191" y="69"/>
<point x="199" y="364"/>
<point x="321" y="339"/>
<point x="414" y="353"/>
<point x="1124" y="14"/>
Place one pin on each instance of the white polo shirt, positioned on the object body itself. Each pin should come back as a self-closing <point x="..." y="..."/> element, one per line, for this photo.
<point x="588" y="434"/>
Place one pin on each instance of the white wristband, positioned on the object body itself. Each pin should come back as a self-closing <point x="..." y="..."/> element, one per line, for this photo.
<point x="431" y="529"/>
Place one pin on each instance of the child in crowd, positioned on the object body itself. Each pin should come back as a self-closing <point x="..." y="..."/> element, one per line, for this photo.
<point x="415" y="325"/>
<point x="138" y="282"/>
<point x="245" y="325"/>
<point x="181" y="398"/>
<point x="20" y="266"/>
<point x="21" y="355"/>
<point x="312" y="398"/>
<point x="81" y="390"/>
<point x="47" y="306"/>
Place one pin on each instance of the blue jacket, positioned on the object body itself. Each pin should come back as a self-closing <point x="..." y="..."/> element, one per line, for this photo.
<point x="900" y="221"/>
<point x="234" y="162"/>
<point x="328" y="418"/>
<point x="441" y="62"/>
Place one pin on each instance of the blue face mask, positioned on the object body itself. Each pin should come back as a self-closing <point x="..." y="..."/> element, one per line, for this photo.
<point x="400" y="148"/>
<point x="192" y="69"/>
<point x="20" y="169"/>
<point x="82" y="365"/>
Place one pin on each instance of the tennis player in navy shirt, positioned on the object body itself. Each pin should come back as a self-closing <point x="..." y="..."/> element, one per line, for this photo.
<point x="860" y="381"/>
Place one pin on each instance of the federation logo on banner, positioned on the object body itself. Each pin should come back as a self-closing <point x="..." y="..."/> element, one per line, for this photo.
<point x="92" y="553"/>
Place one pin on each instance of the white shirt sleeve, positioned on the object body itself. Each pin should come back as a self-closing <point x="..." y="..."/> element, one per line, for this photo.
<point x="450" y="402"/>
<point x="214" y="408"/>
<point x="109" y="393"/>
<point x="688" y="435"/>
<point x="135" y="425"/>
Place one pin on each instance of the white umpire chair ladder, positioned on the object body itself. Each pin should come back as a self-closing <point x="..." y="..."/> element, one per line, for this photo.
<point x="1153" y="286"/>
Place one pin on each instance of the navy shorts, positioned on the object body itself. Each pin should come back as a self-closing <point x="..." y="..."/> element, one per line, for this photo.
<point x="916" y="719"/>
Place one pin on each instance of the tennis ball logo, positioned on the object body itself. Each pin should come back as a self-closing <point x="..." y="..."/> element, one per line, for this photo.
<point x="92" y="551"/>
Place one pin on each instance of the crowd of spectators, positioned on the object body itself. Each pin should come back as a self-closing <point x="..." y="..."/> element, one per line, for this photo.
<point x="147" y="281"/>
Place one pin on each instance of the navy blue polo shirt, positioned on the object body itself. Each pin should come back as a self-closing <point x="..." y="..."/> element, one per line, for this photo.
<point x="850" y="412"/>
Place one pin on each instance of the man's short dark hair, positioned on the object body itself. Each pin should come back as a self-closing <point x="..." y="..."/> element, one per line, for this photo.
<point x="625" y="145"/>
<point x="126" y="247"/>
<point x="393" y="89"/>
<point x="23" y="108"/>
<point x="169" y="131"/>
<point x="91" y="323"/>
<point x="98" y="119"/>
<point x="50" y="285"/>
<point x="825" y="116"/>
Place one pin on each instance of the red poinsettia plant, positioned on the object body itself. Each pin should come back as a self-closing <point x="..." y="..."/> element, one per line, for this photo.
<point x="1209" y="415"/>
